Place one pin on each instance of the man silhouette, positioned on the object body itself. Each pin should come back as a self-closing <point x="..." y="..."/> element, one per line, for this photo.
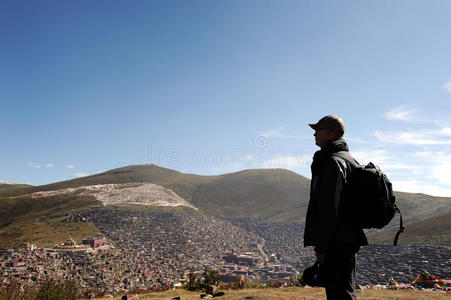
<point x="326" y="228"/>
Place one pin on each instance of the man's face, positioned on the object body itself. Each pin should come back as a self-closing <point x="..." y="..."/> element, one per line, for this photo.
<point x="322" y="135"/>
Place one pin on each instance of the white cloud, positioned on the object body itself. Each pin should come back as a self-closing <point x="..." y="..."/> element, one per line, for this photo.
<point x="287" y="162"/>
<point x="81" y="174"/>
<point x="447" y="86"/>
<point x="277" y="133"/>
<point x="440" y="165"/>
<point x="33" y="165"/>
<point x="415" y="160"/>
<point x="425" y="172"/>
<point x="422" y="137"/>
<point x="13" y="182"/>
<point x="49" y="165"/>
<point x="402" y="113"/>
<point x="400" y="168"/>
<point x="389" y="163"/>
<point x="414" y="186"/>
<point x="70" y="167"/>
<point x="365" y="156"/>
<point x="272" y="132"/>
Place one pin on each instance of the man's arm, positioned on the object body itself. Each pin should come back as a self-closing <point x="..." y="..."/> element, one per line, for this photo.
<point x="328" y="196"/>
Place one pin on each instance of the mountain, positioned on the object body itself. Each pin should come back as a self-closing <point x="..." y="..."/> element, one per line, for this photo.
<point x="44" y="217"/>
<point x="274" y="195"/>
<point x="13" y="185"/>
<point x="416" y="206"/>
<point x="435" y="230"/>
<point x="269" y="195"/>
<point x="182" y="184"/>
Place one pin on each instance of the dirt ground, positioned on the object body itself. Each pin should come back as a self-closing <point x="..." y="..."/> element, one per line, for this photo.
<point x="299" y="293"/>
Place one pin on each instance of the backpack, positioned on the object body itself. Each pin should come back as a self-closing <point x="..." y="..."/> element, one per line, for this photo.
<point x="370" y="201"/>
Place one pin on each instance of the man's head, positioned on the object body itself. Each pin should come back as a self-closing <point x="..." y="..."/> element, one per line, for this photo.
<point x="328" y="128"/>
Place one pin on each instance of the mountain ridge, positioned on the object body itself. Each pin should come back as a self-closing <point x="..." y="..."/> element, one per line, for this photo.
<point x="269" y="195"/>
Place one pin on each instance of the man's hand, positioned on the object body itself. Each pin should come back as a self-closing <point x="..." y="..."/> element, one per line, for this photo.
<point x="321" y="257"/>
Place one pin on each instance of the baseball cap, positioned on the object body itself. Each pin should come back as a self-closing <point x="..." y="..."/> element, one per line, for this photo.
<point x="332" y="122"/>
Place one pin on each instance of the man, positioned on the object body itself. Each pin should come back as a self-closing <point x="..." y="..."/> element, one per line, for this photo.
<point x="336" y="242"/>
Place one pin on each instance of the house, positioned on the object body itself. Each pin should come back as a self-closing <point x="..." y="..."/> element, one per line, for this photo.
<point x="95" y="242"/>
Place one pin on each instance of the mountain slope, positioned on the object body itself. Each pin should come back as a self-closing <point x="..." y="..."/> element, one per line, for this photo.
<point x="271" y="195"/>
<point x="416" y="206"/>
<point x="435" y="230"/>
<point x="275" y="195"/>
<point x="182" y="184"/>
<point x="13" y="185"/>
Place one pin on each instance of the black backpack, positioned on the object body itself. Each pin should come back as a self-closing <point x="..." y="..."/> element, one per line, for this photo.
<point x="370" y="202"/>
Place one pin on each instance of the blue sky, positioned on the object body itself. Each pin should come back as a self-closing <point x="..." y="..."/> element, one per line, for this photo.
<point x="210" y="87"/>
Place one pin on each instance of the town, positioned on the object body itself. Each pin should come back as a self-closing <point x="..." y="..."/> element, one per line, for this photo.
<point x="144" y="250"/>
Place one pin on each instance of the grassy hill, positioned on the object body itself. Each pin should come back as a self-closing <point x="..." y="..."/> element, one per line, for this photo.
<point x="182" y="184"/>
<point x="11" y="186"/>
<point x="435" y="230"/>
<point x="272" y="195"/>
<point x="24" y="218"/>
<point x="417" y="207"/>
<point x="275" y="195"/>
<point x="427" y="220"/>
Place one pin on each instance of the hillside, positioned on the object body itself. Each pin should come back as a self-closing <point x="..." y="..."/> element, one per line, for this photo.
<point x="40" y="216"/>
<point x="274" y="195"/>
<point x="182" y="184"/>
<point x="13" y="185"/>
<point x="426" y="221"/>
<point x="416" y="206"/>
<point x="435" y="230"/>
<point x="270" y="195"/>
<point x="254" y="192"/>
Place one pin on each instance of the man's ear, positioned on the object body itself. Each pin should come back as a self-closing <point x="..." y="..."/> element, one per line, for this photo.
<point x="331" y="134"/>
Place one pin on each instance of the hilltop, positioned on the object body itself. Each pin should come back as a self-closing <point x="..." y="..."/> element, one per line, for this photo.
<point x="13" y="185"/>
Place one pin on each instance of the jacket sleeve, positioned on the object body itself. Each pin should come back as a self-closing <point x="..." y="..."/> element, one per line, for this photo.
<point x="330" y="185"/>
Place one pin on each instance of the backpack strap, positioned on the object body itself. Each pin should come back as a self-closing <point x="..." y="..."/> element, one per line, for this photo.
<point x="401" y="227"/>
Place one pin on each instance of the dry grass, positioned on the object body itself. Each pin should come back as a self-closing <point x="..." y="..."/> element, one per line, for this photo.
<point x="298" y="293"/>
<point x="46" y="234"/>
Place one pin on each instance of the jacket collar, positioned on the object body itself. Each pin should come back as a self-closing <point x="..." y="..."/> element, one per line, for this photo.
<point x="332" y="146"/>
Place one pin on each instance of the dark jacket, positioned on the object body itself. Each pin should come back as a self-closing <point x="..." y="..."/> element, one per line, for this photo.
<point x="325" y="224"/>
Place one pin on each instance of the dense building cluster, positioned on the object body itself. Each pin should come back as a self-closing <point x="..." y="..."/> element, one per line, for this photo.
<point x="283" y="240"/>
<point x="375" y="263"/>
<point x="152" y="251"/>
<point x="379" y="263"/>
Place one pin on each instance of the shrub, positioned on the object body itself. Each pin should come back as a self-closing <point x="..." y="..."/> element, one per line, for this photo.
<point x="50" y="290"/>
<point x="193" y="283"/>
<point x="212" y="277"/>
<point x="56" y="290"/>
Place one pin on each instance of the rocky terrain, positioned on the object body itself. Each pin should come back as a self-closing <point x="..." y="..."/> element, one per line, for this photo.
<point x="127" y="193"/>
